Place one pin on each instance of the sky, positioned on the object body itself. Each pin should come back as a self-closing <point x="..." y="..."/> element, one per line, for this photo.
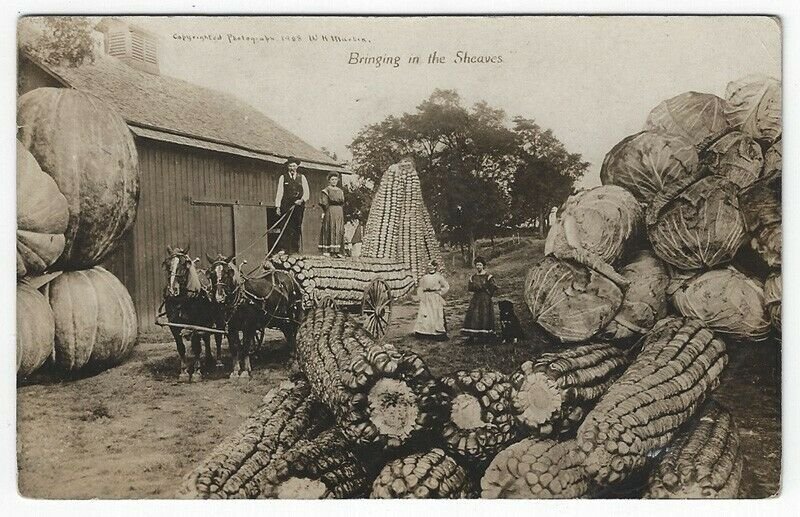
<point x="592" y="80"/>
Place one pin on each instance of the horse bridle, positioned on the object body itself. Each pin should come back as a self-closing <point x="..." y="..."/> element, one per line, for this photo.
<point x="228" y="288"/>
<point x="174" y="277"/>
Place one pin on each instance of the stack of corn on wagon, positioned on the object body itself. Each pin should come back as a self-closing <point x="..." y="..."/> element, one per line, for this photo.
<point x="644" y="280"/>
<point x="399" y="242"/>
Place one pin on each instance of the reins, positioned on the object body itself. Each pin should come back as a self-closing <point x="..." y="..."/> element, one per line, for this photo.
<point x="285" y="218"/>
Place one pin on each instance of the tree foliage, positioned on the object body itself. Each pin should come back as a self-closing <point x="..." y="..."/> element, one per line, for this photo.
<point x="546" y="173"/>
<point x="57" y="40"/>
<point x="478" y="172"/>
<point x="357" y="200"/>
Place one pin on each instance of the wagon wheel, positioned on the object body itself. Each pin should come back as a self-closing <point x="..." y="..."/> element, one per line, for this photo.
<point x="376" y="308"/>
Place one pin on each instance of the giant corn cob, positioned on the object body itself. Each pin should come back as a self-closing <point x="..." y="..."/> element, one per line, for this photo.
<point x="679" y="364"/>
<point x="323" y="467"/>
<point x="703" y="461"/>
<point x="343" y="279"/>
<point x="234" y="468"/>
<point x="536" y="469"/>
<point x="378" y="394"/>
<point x="480" y="423"/>
<point x="551" y="395"/>
<point x="399" y="226"/>
<point x="429" y="475"/>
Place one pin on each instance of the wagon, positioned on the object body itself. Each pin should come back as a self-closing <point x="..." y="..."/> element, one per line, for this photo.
<point x="365" y="285"/>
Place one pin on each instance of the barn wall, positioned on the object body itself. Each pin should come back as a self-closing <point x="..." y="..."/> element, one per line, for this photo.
<point x="171" y="177"/>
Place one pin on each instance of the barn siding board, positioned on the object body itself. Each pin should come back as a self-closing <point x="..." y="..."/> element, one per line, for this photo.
<point x="144" y="232"/>
<point x="155" y="246"/>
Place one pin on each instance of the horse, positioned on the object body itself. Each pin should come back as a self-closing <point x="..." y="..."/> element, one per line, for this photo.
<point x="271" y="299"/>
<point x="187" y="301"/>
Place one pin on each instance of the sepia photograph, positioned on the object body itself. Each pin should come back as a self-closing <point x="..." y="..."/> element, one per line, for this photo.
<point x="398" y="257"/>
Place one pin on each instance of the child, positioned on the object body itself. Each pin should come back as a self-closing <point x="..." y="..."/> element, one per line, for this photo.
<point x="353" y="237"/>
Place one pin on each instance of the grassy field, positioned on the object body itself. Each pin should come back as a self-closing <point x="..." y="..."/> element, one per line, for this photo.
<point x="134" y="432"/>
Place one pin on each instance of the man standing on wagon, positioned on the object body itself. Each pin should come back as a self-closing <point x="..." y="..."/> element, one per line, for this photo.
<point x="292" y="193"/>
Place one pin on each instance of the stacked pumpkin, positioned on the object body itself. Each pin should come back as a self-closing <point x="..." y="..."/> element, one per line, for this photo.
<point x="77" y="192"/>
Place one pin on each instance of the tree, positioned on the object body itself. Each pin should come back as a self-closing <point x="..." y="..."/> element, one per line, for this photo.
<point x="357" y="200"/>
<point x="545" y="176"/>
<point x="478" y="173"/>
<point x="464" y="157"/>
<point x="57" y="40"/>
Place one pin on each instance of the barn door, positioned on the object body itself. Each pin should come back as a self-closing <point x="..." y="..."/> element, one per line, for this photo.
<point x="312" y="224"/>
<point x="250" y="241"/>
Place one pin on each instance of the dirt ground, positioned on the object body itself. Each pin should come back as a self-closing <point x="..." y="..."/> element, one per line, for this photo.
<point x="134" y="431"/>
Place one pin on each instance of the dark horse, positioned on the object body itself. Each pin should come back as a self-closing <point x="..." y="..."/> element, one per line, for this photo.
<point x="187" y="301"/>
<point x="268" y="299"/>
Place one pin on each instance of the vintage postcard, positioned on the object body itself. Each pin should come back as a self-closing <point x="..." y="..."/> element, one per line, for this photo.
<point x="399" y="257"/>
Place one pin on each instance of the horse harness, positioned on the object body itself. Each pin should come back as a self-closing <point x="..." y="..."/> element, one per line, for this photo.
<point x="242" y="296"/>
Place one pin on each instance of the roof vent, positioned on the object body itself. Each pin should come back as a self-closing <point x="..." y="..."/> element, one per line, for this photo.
<point x="130" y="44"/>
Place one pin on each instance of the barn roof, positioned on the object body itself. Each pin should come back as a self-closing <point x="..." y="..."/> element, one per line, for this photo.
<point x="164" y="108"/>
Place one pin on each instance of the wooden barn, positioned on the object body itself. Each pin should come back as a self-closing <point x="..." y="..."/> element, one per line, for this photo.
<point x="209" y="162"/>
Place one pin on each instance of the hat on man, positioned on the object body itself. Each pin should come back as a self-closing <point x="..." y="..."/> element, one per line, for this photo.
<point x="293" y="160"/>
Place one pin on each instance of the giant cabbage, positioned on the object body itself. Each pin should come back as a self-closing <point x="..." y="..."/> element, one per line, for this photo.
<point x="761" y="208"/>
<point x="570" y="301"/>
<point x="754" y="106"/>
<point x="727" y="301"/>
<point x="692" y="115"/>
<point x="643" y="163"/>
<point x="645" y="300"/>
<point x="735" y="156"/>
<point x="698" y="227"/>
<point x="772" y="298"/>
<point x="596" y="227"/>
<point x="773" y="158"/>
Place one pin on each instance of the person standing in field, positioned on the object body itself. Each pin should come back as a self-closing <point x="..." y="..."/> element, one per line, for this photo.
<point x="479" y="321"/>
<point x="331" y="239"/>
<point x="432" y="287"/>
<point x="291" y="199"/>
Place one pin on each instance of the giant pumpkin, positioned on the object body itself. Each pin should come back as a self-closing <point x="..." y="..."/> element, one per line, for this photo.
<point x="88" y="150"/>
<point x="42" y="216"/>
<point x="95" y="322"/>
<point x="35" y="329"/>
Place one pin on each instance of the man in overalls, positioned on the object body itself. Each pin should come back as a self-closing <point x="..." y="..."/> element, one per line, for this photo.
<point x="292" y="192"/>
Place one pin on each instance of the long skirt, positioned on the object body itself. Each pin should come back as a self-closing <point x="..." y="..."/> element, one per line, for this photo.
<point x="430" y="318"/>
<point x="331" y="240"/>
<point x="480" y="316"/>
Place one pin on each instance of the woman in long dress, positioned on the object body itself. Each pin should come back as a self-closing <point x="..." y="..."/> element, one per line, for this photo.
<point x="331" y="239"/>
<point x="479" y="321"/>
<point x="430" y="318"/>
